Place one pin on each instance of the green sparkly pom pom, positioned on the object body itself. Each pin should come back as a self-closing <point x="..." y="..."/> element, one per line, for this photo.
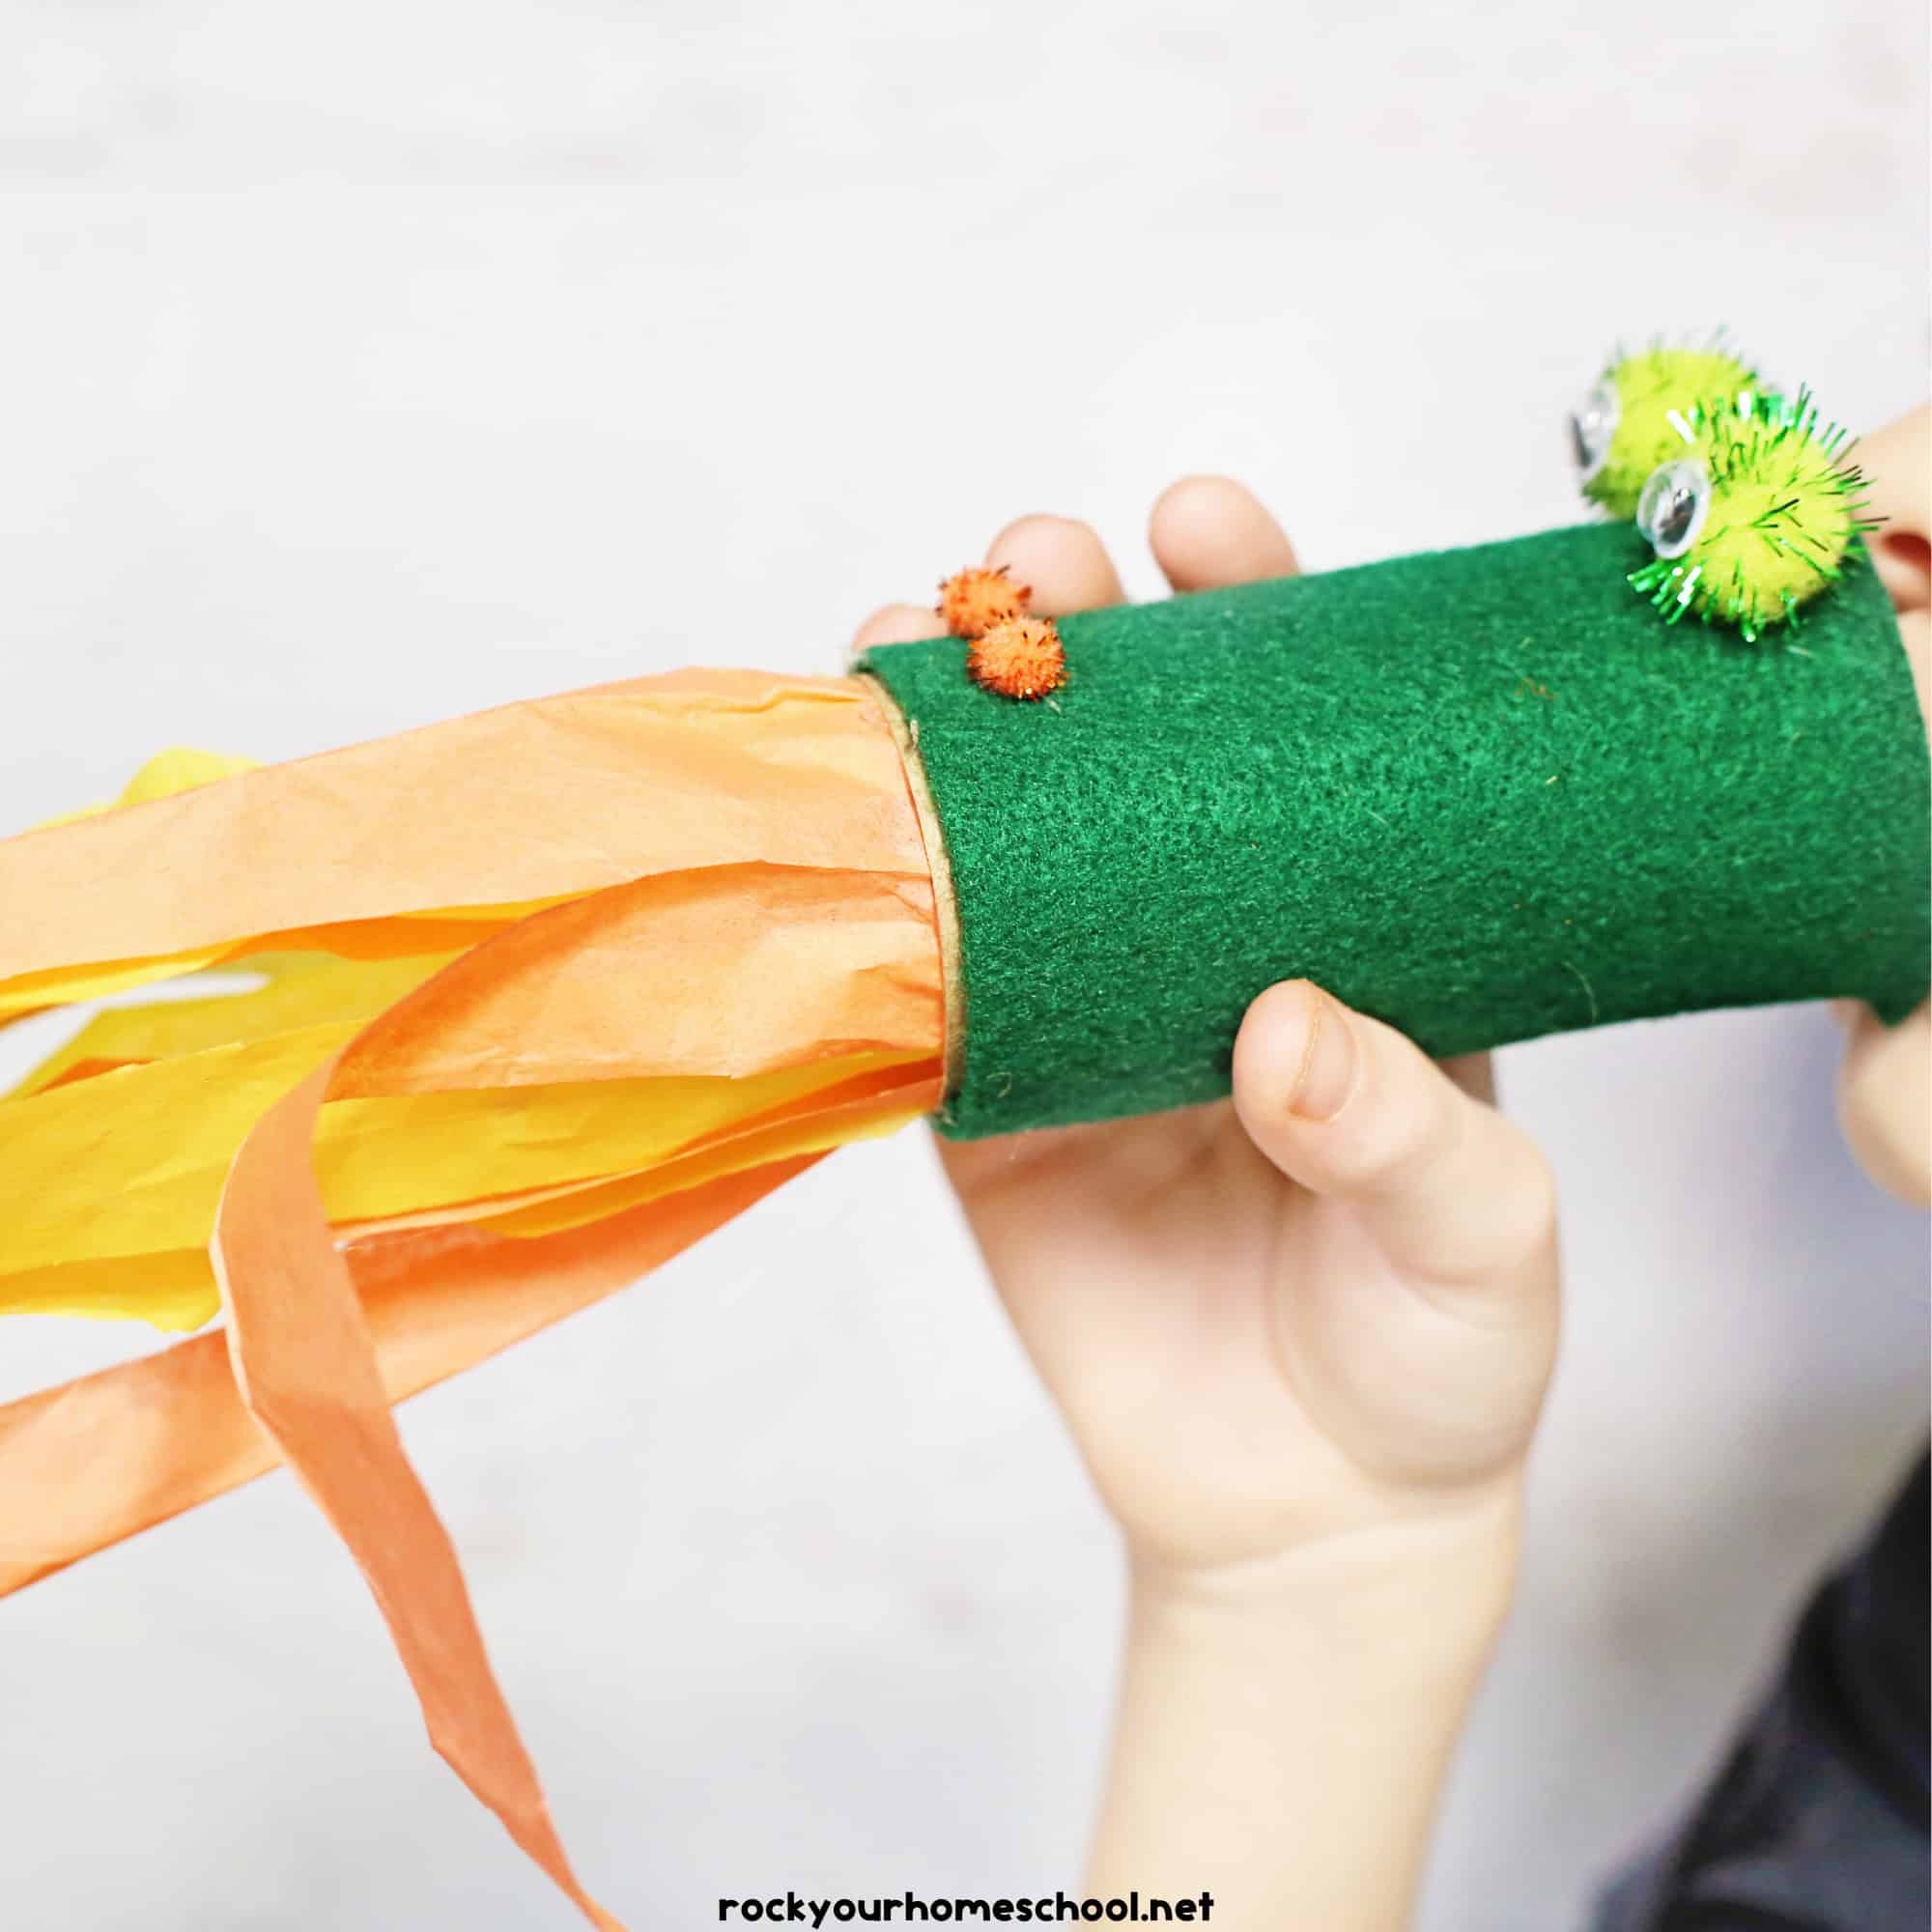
<point x="1625" y="427"/>
<point x="1755" y="511"/>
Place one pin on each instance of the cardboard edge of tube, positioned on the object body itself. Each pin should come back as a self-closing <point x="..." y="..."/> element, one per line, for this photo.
<point x="946" y="908"/>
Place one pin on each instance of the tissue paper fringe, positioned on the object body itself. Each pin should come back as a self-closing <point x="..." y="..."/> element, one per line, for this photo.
<point x="544" y="995"/>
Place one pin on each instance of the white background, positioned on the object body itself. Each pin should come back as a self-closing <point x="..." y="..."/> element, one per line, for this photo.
<point x="370" y="362"/>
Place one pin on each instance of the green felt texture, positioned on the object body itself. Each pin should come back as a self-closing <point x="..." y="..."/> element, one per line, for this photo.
<point x="1482" y="794"/>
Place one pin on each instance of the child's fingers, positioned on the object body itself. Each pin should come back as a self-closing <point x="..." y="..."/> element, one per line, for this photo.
<point x="1062" y="560"/>
<point x="1898" y="461"/>
<point x="1884" y="1088"/>
<point x="1346" y="1107"/>
<point x="1475" y="1074"/>
<point x="1885" y="1100"/>
<point x="899" y="624"/>
<point x="1207" y="532"/>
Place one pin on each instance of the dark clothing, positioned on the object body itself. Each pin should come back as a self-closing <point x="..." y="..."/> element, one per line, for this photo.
<point x="1818" y="1821"/>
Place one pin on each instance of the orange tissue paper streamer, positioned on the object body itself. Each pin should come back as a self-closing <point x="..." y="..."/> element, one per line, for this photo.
<point x="541" y="997"/>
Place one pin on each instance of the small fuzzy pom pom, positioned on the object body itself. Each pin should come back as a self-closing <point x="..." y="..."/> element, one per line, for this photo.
<point x="976" y="600"/>
<point x="1758" y="512"/>
<point x="1021" y="658"/>
<point x="1630" y="421"/>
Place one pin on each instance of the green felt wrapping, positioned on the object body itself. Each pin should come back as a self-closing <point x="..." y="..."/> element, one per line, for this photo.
<point x="1483" y="794"/>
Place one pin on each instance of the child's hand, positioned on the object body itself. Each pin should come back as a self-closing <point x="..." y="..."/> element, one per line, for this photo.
<point x="1885" y="1090"/>
<point x="1301" y="1340"/>
<point x="1325" y="1308"/>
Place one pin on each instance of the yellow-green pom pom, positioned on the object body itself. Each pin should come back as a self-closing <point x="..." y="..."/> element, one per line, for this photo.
<point x="1756" y="511"/>
<point x="1624" y="429"/>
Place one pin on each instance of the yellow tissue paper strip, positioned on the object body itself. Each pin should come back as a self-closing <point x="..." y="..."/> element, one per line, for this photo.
<point x="178" y="769"/>
<point x="298" y="989"/>
<point x="173" y="1289"/>
<point x="132" y="1162"/>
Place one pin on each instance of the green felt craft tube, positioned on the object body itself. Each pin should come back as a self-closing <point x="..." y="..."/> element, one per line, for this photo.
<point x="1484" y="795"/>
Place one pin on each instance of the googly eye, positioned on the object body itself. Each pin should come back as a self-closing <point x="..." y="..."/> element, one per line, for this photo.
<point x="1593" y="425"/>
<point x="1675" y="501"/>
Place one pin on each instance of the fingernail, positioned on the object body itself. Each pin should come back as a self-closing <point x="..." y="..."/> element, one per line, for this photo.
<point x="1327" y="1073"/>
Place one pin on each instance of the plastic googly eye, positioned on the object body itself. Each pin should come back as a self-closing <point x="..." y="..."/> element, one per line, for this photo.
<point x="1593" y="427"/>
<point x="1675" y="501"/>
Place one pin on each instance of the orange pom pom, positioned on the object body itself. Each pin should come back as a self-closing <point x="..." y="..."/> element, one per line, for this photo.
<point x="976" y="600"/>
<point x="1021" y="658"/>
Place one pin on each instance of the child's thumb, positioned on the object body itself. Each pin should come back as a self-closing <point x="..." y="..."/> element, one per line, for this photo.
<point x="1451" y="1191"/>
